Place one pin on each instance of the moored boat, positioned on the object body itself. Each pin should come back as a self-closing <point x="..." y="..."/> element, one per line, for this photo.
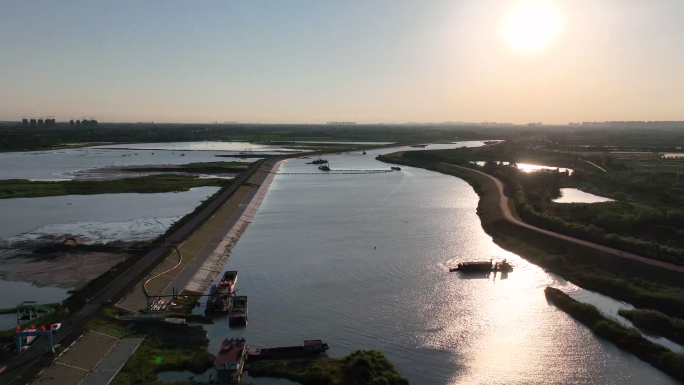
<point x="230" y="361"/>
<point x="238" y="313"/>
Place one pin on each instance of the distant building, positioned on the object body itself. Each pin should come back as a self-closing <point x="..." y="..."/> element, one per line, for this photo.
<point x="50" y="122"/>
<point x="341" y="123"/>
<point x="24" y="122"/>
<point x="92" y="123"/>
<point x="32" y="123"/>
<point x="78" y="123"/>
<point x="71" y="123"/>
<point x="40" y="122"/>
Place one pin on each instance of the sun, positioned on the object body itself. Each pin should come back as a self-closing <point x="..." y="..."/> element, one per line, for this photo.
<point x="531" y="26"/>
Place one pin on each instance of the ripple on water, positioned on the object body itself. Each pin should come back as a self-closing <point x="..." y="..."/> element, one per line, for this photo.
<point x="309" y="266"/>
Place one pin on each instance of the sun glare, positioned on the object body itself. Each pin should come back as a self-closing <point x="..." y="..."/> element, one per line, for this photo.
<point x="531" y="26"/>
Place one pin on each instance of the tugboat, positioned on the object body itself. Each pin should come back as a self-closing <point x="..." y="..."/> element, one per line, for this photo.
<point x="396" y="168"/>
<point x="503" y="266"/>
<point x="324" y="167"/>
<point x="238" y="313"/>
<point x="230" y="361"/>
<point x="419" y="145"/>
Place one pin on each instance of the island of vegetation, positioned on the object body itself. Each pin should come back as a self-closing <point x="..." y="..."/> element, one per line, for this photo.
<point x="21" y="188"/>
<point x="363" y="367"/>
<point x="655" y="322"/>
<point x="628" y="339"/>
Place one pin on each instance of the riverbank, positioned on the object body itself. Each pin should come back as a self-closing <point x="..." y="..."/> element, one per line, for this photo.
<point x="627" y="339"/>
<point x="359" y="368"/>
<point x="21" y="188"/>
<point x="633" y="283"/>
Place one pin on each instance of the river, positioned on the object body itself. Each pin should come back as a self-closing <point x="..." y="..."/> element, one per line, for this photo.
<point x="360" y="261"/>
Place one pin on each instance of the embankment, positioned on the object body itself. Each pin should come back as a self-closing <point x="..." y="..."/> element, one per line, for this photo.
<point x="627" y="339"/>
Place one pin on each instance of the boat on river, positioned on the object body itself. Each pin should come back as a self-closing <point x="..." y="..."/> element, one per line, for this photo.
<point x="238" y="312"/>
<point x="310" y="349"/>
<point x="418" y="145"/>
<point x="396" y="168"/>
<point x="221" y="295"/>
<point x="319" y="160"/>
<point x="324" y="167"/>
<point x="483" y="266"/>
<point x="230" y="361"/>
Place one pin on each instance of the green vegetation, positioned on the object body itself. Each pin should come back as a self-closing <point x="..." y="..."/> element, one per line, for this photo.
<point x="21" y="188"/>
<point x="359" y="368"/>
<point x="163" y="350"/>
<point x="657" y="323"/>
<point x="195" y="168"/>
<point x="627" y="339"/>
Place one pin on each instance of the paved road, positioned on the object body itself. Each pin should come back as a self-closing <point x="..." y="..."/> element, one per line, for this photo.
<point x="186" y="275"/>
<point x="26" y="365"/>
<point x="508" y="216"/>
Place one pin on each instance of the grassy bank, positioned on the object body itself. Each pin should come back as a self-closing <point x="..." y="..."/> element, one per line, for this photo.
<point x="194" y="168"/>
<point x="21" y="188"/>
<point x="634" y="285"/>
<point x="627" y="339"/>
<point x="359" y="368"/>
<point x="656" y="323"/>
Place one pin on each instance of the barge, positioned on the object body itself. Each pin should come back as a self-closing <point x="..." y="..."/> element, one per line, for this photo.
<point x="396" y="168"/>
<point x="238" y="312"/>
<point x="310" y="349"/>
<point x="319" y="160"/>
<point x="230" y="361"/>
<point x="483" y="267"/>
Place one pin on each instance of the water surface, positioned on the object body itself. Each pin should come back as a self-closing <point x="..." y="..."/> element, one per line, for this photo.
<point x="360" y="261"/>
<point x="573" y="195"/>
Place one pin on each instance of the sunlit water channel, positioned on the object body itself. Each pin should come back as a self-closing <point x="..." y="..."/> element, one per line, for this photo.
<point x="360" y="261"/>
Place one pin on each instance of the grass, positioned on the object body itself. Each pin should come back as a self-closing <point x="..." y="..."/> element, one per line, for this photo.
<point x="363" y="367"/>
<point x="656" y="323"/>
<point x="627" y="339"/>
<point x="197" y="168"/>
<point x="21" y="188"/>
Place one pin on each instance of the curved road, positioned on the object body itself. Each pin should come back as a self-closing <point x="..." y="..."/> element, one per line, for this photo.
<point x="508" y="216"/>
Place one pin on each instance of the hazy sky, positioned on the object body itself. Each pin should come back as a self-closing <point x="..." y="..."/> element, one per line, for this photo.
<point x="313" y="61"/>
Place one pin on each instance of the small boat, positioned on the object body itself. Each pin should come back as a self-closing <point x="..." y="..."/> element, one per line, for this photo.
<point x="418" y="145"/>
<point x="229" y="280"/>
<point x="396" y="168"/>
<point x="324" y="167"/>
<point x="363" y="153"/>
